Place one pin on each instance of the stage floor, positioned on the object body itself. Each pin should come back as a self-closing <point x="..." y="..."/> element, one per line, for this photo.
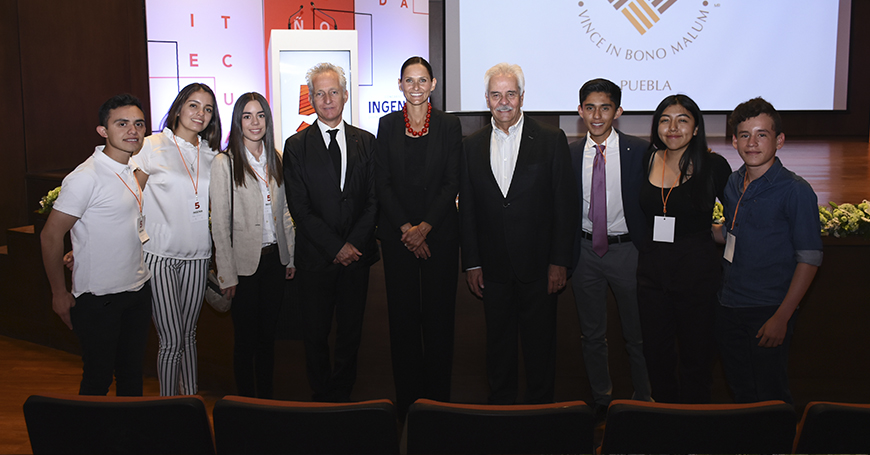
<point x="838" y="169"/>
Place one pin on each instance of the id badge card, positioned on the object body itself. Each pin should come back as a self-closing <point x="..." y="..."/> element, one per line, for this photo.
<point x="198" y="210"/>
<point x="663" y="229"/>
<point x="140" y="228"/>
<point x="730" y="240"/>
<point x="268" y="200"/>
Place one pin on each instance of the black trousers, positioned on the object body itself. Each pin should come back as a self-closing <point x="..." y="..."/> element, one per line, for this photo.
<point x="677" y="284"/>
<point x="523" y="309"/>
<point x="339" y="293"/>
<point x="421" y="299"/>
<point x="112" y="330"/>
<point x="255" y="315"/>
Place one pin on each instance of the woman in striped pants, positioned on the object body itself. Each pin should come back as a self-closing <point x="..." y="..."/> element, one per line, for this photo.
<point x="176" y="163"/>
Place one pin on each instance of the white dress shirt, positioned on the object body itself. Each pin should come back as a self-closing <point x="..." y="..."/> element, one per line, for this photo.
<point x="260" y="167"/>
<point x="503" y="151"/>
<point x="615" y="215"/>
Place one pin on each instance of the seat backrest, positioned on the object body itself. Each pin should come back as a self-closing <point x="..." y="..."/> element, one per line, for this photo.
<point x="447" y="428"/>
<point x="252" y="425"/>
<point x="73" y="424"/>
<point x="828" y="427"/>
<point x="641" y="427"/>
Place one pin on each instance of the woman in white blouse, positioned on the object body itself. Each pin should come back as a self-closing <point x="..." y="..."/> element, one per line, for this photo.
<point x="176" y="163"/>
<point x="254" y="238"/>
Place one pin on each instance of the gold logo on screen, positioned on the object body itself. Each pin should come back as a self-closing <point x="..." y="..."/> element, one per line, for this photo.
<point x="641" y="14"/>
<point x="677" y="24"/>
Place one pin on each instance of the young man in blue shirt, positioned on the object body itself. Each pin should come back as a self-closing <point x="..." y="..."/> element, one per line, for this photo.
<point x="773" y="249"/>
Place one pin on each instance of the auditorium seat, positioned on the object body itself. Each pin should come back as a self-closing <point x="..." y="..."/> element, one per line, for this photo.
<point x="642" y="427"/>
<point x="258" y="426"/>
<point x="74" y="424"/>
<point x="834" y="428"/>
<point x="446" y="428"/>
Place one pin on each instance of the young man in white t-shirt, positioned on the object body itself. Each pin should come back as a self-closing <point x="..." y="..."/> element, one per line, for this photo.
<point x="100" y="204"/>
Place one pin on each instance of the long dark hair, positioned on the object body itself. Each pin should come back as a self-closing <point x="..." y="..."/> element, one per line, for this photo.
<point x="696" y="158"/>
<point x="212" y="132"/>
<point x="236" y="142"/>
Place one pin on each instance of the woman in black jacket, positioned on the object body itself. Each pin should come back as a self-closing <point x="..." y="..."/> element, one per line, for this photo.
<point x="417" y="179"/>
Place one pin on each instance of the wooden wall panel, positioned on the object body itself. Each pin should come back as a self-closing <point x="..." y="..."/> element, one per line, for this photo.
<point x="12" y="203"/>
<point x="74" y="56"/>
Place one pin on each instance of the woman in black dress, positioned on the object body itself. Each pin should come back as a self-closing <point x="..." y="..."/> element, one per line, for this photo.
<point x="679" y="270"/>
<point x="417" y="179"/>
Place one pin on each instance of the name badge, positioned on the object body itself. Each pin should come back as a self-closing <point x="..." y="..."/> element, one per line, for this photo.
<point x="730" y="240"/>
<point x="198" y="210"/>
<point x="663" y="229"/>
<point x="140" y="227"/>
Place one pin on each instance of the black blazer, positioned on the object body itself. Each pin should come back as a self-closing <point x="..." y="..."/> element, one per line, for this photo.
<point x="441" y="177"/>
<point x="631" y="151"/>
<point x="325" y="215"/>
<point x="531" y="228"/>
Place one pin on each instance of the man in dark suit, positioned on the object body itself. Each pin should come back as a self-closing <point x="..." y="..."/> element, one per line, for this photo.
<point x="518" y="209"/>
<point x="603" y="252"/>
<point x="329" y="172"/>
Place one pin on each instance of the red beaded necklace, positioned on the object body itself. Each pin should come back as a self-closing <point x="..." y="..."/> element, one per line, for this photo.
<point x="425" y="125"/>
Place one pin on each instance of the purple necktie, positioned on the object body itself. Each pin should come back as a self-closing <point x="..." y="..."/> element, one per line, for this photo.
<point x="598" y="203"/>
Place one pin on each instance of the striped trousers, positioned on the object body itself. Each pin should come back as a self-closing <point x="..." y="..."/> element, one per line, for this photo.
<point x="177" y="292"/>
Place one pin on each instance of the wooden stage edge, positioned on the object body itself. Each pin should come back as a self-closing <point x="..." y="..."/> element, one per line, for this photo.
<point x="838" y="169"/>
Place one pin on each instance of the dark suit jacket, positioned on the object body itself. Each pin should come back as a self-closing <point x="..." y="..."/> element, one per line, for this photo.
<point x="531" y="228"/>
<point x="440" y="179"/>
<point x="325" y="215"/>
<point x="631" y="151"/>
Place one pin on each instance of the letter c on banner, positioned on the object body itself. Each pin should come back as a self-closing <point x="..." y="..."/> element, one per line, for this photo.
<point x="224" y="60"/>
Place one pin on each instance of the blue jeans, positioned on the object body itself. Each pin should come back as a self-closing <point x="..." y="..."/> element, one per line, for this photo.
<point x="754" y="373"/>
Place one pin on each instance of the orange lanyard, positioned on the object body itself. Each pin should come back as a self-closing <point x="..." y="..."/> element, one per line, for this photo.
<point x="745" y="185"/>
<point x="138" y="198"/>
<point x="264" y="180"/>
<point x="665" y="198"/>
<point x="261" y="178"/>
<point x="194" y="182"/>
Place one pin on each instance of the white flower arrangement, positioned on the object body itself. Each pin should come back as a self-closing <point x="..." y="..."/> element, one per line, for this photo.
<point x="47" y="201"/>
<point x="845" y="219"/>
<point x="718" y="216"/>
